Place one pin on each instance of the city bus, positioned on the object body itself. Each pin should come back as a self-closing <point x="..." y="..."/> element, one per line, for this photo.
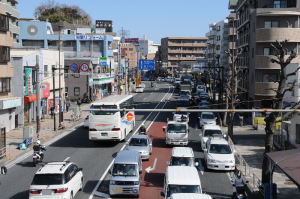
<point x="111" y="125"/>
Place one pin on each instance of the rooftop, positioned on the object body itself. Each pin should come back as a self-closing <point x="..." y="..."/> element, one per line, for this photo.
<point x="182" y="175"/>
<point x="53" y="167"/>
<point x="182" y="152"/>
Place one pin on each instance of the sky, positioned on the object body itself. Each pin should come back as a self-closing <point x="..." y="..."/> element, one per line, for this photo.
<point x="153" y="18"/>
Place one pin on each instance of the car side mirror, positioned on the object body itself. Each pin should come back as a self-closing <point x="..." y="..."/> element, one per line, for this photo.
<point x="164" y="129"/>
<point x="196" y="164"/>
<point x="162" y="194"/>
<point x="3" y="170"/>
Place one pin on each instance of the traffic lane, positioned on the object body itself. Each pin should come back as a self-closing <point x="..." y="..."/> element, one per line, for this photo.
<point x="215" y="183"/>
<point x="75" y="145"/>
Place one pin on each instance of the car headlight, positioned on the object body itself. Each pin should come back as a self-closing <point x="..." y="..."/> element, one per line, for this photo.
<point x="212" y="160"/>
<point x="145" y="152"/>
<point x="136" y="182"/>
<point x="112" y="182"/>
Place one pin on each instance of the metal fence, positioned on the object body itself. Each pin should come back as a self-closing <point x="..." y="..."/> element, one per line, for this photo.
<point x="2" y="152"/>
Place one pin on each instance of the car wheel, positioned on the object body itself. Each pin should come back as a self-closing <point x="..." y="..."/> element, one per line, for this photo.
<point x="71" y="196"/>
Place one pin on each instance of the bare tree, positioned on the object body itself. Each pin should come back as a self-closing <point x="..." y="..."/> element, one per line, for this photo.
<point x="283" y="60"/>
<point x="232" y="87"/>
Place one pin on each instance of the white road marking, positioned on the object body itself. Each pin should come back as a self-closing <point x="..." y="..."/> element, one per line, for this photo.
<point x="66" y="159"/>
<point x="104" y="195"/>
<point x="107" y="169"/>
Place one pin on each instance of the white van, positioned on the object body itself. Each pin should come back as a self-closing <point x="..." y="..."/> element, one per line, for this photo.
<point x="190" y="196"/>
<point x="181" y="179"/>
<point x="182" y="156"/>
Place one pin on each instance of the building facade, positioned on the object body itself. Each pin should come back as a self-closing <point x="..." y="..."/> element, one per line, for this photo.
<point x="83" y="48"/>
<point x="182" y="52"/>
<point x="259" y="23"/>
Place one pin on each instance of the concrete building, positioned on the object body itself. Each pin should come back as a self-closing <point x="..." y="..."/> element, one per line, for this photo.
<point x="147" y="47"/>
<point x="9" y="7"/>
<point x="259" y="23"/>
<point x="8" y="102"/>
<point x="86" y="76"/>
<point x="182" y="52"/>
<point x="24" y="59"/>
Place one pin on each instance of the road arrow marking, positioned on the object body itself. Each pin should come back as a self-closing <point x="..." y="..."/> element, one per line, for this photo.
<point x="104" y="195"/>
<point x="148" y="169"/>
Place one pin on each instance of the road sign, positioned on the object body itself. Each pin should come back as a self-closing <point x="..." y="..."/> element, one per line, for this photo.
<point x="103" y="61"/>
<point x="74" y="67"/>
<point x="147" y="64"/>
<point x="84" y="67"/>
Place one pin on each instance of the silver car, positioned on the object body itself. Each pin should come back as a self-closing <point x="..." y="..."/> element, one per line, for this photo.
<point x="142" y="144"/>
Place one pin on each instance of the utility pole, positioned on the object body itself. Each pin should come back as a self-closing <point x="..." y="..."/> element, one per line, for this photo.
<point x="53" y="79"/>
<point x="38" y="105"/>
<point x="60" y="116"/>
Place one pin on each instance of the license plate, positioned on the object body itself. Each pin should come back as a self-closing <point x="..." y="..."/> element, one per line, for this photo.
<point x="118" y="190"/>
<point x="47" y="192"/>
<point x="104" y="134"/>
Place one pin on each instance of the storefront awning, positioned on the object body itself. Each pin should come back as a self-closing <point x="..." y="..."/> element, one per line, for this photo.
<point x="31" y="98"/>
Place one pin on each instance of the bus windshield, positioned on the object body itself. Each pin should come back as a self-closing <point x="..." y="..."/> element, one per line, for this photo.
<point x="99" y="112"/>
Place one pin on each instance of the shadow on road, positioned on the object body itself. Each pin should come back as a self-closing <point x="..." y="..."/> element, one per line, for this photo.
<point x="154" y="179"/>
<point x="21" y="195"/>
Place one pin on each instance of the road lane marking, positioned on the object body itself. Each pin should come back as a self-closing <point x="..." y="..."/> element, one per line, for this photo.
<point x="148" y="169"/>
<point x="110" y="165"/>
<point x="65" y="160"/>
<point x="104" y="195"/>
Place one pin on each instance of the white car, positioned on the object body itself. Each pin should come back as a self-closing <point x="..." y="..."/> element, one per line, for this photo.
<point x="57" y="180"/>
<point x="183" y="156"/>
<point x="210" y="131"/>
<point x="86" y="122"/>
<point x="190" y="196"/>
<point x="141" y="144"/>
<point x="207" y="118"/>
<point x="218" y="154"/>
<point x="139" y="89"/>
<point x="181" y="115"/>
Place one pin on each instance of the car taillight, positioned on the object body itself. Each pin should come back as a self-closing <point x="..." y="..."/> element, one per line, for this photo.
<point x="34" y="191"/>
<point x="116" y="129"/>
<point x="63" y="190"/>
<point x="92" y="129"/>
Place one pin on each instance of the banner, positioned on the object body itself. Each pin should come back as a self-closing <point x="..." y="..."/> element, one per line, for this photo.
<point x="28" y="82"/>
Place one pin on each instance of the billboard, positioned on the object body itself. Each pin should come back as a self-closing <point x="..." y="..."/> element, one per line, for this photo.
<point x="106" y="24"/>
<point x="132" y="40"/>
<point x="147" y="64"/>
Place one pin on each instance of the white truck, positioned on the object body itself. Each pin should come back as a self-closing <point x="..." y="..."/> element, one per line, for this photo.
<point x="177" y="133"/>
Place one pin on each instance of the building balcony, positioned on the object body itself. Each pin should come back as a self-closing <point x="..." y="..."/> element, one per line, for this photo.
<point x="182" y="58"/>
<point x="264" y="62"/>
<point x="231" y="45"/>
<point x="278" y="34"/>
<point x="14" y="29"/>
<point x="185" y="51"/>
<point x="265" y="88"/>
<point x="188" y="44"/>
<point x="277" y="11"/>
<point x="10" y="9"/>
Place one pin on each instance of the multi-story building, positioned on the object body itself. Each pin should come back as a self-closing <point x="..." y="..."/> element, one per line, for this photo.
<point x="86" y="76"/>
<point x="130" y="55"/>
<point x="13" y="15"/>
<point x="182" y="52"/>
<point x="147" y="47"/>
<point x="8" y="102"/>
<point x="259" y="23"/>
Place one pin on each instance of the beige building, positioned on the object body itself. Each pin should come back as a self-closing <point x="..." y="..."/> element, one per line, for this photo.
<point x="8" y="102"/>
<point x="182" y="52"/>
<point x="259" y="23"/>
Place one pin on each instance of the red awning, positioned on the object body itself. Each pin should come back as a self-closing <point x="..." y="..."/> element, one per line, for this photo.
<point x="31" y="98"/>
<point x="288" y="162"/>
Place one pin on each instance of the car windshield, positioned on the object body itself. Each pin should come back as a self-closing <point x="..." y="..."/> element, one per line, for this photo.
<point x="176" y="128"/>
<point x="211" y="132"/>
<point x="182" y="161"/>
<point x="220" y="149"/>
<point x="124" y="170"/>
<point x="183" y="189"/>
<point x="208" y="116"/>
<point x="96" y="112"/>
<point x="138" y="142"/>
<point x="47" y="179"/>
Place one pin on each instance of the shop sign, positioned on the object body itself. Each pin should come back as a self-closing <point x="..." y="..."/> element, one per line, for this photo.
<point x="11" y="103"/>
<point x="28" y="82"/>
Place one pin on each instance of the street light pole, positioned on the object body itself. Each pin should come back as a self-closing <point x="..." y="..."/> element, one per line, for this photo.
<point x="53" y="79"/>
<point x="38" y="107"/>
<point x="59" y="81"/>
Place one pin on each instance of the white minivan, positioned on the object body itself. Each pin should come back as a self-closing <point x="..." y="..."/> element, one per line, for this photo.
<point x="190" y="196"/>
<point x="181" y="179"/>
<point x="182" y="156"/>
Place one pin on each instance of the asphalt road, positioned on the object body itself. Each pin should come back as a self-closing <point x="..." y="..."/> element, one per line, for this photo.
<point x="95" y="158"/>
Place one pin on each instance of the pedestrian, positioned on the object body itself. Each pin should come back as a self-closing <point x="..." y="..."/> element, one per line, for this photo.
<point x="68" y="106"/>
<point x="52" y="111"/>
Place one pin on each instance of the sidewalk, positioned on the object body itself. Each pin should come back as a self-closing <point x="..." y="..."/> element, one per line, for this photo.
<point x="249" y="144"/>
<point x="15" y="137"/>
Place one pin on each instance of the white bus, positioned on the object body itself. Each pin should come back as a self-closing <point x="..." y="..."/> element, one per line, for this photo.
<point x="111" y="125"/>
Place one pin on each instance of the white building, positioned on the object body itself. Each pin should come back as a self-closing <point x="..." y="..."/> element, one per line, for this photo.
<point x="146" y="47"/>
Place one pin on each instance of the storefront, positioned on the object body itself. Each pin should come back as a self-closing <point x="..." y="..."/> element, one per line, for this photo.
<point x="7" y="113"/>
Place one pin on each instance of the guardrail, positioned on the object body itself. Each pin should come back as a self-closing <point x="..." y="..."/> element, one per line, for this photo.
<point x="3" y="152"/>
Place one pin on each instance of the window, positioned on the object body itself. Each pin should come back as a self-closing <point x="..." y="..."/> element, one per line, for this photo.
<point x="268" y="24"/>
<point x="4" y="23"/>
<point x="267" y="51"/>
<point x="4" y="54"/>
<point x="4" y="85"/>
<point x="130" y="49"/>
<point x="271" y="24"/>
<point x="76" y="91"/>
<point x="270" y="77"/>
<point x="69" y="43"/>
<point x="66" y="91"/>
<point x="45" y="71"/>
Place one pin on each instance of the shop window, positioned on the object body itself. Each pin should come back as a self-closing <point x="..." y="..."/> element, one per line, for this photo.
<point x="76" y="91"/>
<point x="5" y="85"/>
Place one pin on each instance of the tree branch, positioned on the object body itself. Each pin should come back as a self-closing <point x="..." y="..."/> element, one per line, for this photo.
<point x="293" y="73"/>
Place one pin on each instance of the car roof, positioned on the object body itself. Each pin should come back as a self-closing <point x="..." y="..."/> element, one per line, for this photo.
<point x="138" y="136"/>
<point x="207" y="113"/>
<point x="182" y="152"/>
<point x="190" y="196"/>
<point x="54" y="168"/>
<point x="127" y="156"/>
<point x="182" y="175"/>
<point x="209" y="126"/>
<point x="218" y="140"/>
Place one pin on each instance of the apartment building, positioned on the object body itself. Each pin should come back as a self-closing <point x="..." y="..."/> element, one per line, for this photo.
<point x="259" y="23"/>
<point x="8" y="102"/>
<point x="182" y="52"/>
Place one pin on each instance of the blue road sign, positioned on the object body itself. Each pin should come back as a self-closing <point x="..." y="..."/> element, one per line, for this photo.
<point x="147" y="64"/>
<point x="84" y="67"/>
<point x="74" y="67"/>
